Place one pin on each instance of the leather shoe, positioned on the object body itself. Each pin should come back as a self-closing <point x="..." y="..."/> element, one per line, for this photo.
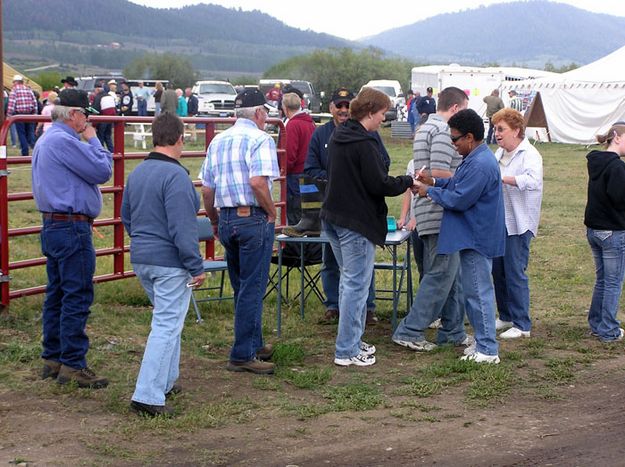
<point x="265" y="353"/>
<point x="175" y="389"/>
<point x="331" y="317"/>
<point x="50" y="369"/>
<point x="151" y="410"/>
<point x="253" y="366"/>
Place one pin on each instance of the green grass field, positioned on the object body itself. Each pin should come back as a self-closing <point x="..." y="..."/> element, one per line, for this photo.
<point x="406" y="386"/>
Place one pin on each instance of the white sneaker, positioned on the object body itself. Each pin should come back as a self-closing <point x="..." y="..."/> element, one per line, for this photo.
<point x="514" y="333"/>
<point x="478" y="357"/>
<point x="367" y="349"/>
<point x="417" y="346"/>
<point x="467" y="341"/>
<point x="435" y="324"/>
<point x="359" y="360"/>
<point x="471" y="349"/>
<point x="500" y="325"/>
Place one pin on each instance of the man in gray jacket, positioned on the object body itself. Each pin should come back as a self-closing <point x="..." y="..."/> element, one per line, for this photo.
<point x="159" y="212"/>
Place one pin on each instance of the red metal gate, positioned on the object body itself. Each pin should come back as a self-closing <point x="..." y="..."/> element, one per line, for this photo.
<point x="118" y="249"/>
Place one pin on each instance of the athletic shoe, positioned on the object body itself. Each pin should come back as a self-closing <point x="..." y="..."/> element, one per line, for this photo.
<point x="361" y="359"/>
<point x="367" y="349"/>
<point x="479" y="357"/>
<point x="435" y="324"/>
<point x="467" y="341"/>
<point x="417" y="346"/>
<point x="501" y="325"/>
<point x="514" y="333"/>
<point x="471" y="349"/>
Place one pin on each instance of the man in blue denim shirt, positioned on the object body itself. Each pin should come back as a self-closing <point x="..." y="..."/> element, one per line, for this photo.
<point x="237" y="174"/>
<point x="65" y="177"/>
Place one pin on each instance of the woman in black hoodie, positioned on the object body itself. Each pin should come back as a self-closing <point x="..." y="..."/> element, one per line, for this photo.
<point x="605" y="220"/>
<point x="354" y="216"/>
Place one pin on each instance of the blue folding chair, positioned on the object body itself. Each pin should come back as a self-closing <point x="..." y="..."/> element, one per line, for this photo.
<point x="211" y="267"/>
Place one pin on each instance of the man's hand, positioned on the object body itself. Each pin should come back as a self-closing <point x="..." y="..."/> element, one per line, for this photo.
<point x="197" y="280"/>
<point x="88" y="132"/>
<point x="425" y="177"/>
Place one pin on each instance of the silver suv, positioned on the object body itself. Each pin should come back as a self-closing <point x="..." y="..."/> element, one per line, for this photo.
<point x="215" y="98"/>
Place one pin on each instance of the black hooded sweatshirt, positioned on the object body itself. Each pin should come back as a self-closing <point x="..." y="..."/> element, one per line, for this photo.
<point x="358" y="183"/>
<point x="605" y="209"/>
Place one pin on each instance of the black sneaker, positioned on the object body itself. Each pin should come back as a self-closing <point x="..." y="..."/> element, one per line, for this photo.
<point x="151" y="410"/>
<point x="84" y="378"/>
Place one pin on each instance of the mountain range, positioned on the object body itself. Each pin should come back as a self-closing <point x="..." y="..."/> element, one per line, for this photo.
<point x="109" y="34"/>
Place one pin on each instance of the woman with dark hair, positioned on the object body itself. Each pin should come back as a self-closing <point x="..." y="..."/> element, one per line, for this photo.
<point x="521" y="168"/>
<point x="473" y="224"/>
<point x="605" y="222"/>
<point x="354" y="217"/>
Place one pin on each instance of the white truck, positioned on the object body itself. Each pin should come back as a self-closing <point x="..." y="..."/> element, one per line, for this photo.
<point x="215" y="98"/>
<point x="392" y="89"/>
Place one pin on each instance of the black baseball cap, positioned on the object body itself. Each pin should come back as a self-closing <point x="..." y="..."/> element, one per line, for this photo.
<point x="429" y="90"/>
<point x="251" y="98"/>
<point x="76" y="98"/>
<point x="342" y="95"/>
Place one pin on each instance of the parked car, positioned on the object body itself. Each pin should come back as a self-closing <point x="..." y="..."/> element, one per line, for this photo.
<point x="215" y="98"/>
<point x="392" y="89"/>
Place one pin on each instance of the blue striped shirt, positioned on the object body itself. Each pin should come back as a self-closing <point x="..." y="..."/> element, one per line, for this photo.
<point x="233" y="157"/>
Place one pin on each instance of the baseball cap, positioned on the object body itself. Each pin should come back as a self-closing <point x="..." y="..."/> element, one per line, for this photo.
<point x="342" y="95"/>
<point x="429" y="89"/>
<point x="251" y="98"/>
<point x="76" y="98"/>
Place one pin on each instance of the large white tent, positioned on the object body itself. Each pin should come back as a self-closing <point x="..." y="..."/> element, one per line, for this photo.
<point x="577" y="105"/>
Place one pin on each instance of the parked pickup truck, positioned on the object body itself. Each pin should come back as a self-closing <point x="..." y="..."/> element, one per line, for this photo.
<point x="215" y="98"/>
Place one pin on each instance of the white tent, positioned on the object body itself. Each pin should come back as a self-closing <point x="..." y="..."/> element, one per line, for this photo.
<point x="577" y="105"/>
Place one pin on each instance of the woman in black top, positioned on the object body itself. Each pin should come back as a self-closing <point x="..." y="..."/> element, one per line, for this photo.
<point x="605" y="222"/>
<point x="354" y="216"/>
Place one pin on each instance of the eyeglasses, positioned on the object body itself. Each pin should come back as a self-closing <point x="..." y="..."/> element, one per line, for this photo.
<point x="456" y="138"/>
<point x="342" y="105"/>
<point x="500" y="129"/>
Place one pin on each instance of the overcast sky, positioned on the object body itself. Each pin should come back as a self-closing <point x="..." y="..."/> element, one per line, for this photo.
<point x="350" y="19"/>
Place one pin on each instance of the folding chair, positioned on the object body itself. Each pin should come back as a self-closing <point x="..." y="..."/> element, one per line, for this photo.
<point x="205" y="231"/>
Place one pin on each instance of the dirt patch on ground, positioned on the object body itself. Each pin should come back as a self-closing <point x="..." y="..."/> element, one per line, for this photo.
<point x="584" y="426"/>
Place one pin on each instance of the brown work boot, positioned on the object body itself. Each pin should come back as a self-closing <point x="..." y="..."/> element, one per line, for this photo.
<point x="151" y="410"/>
<point x="372" y="319"/>
<point x="331" y="316"/>
<point x="265" y="352"/>
<point x="175" y="389"/>
<point x="50" y="369"/>
<point x="84" y="377"/>
<point x="253" y="366"/>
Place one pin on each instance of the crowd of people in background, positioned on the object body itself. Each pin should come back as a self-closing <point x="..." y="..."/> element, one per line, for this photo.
<point x="473" y="214"/>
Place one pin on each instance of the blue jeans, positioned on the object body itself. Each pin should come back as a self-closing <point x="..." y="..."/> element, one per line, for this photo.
<point x="157" y="109"/>
<point x="142" y="107"/>
<point x="104" y="132"/>
<point x="355" y="255"/>
<point x="248" y="242"/>
<point x="330" y="278"/>
<point x="512" y="289"/>
<point x="70" y="265"/>
<point x="14" y="137"/>
<point x="438" y="296"/>
<point x="479" y="296"/>
<point x="166" y="288"/>
<point x="293" y="199"/>
<point x="24" y="136"/>
<point x="608" y="250"/>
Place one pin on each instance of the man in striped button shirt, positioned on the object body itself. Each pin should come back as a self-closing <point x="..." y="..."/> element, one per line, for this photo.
<point x="237" y="174"/>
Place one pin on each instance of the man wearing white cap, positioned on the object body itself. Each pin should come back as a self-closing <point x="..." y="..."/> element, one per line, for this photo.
<point x="22" y="101"/>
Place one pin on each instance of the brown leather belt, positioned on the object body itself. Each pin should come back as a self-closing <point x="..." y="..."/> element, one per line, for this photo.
<point x="57" y="216"/>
